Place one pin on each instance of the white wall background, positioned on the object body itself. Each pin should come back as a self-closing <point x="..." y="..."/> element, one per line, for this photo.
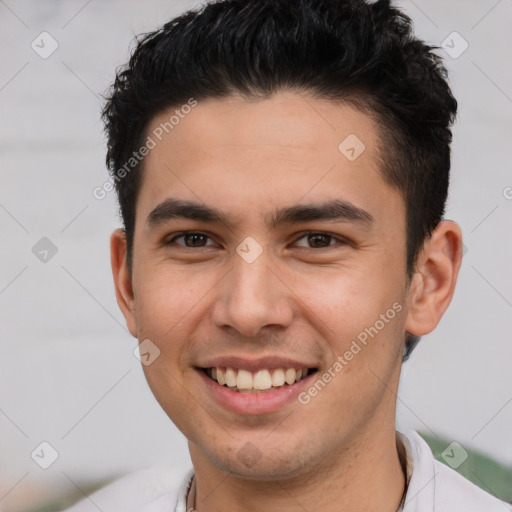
<point x="67" y="372"/>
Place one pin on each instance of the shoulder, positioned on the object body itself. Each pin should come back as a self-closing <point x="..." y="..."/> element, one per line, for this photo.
<point x="454" y="492"/>
<point x="435" y="486"/>
<point x="145" y="490"/>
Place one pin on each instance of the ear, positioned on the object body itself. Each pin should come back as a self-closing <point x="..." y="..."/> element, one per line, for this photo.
<point x="123" y="279"/>
<point x="433" y="283"/>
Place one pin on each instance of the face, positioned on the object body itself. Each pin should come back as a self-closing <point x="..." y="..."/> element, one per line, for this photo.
<point x="294" y="259"/>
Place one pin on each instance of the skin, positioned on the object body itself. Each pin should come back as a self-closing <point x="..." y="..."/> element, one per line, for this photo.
<point x="297" y="299"/>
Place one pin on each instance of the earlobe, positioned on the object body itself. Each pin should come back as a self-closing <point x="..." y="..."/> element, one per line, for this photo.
<point x="433" y="284"/>
<point x="123" y="279"/>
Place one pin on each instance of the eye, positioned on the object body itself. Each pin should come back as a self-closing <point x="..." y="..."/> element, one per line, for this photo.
<point x="319" y="240"/>
<point x="311" y="240"/>
<point x="191" y="239"/>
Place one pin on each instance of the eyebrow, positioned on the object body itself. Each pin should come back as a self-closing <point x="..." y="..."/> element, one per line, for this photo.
<point x="336" y="210"/>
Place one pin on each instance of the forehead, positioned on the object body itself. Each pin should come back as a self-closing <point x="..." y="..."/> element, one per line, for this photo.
<point x="256" y="155"/>
<point x="287" y="124"/>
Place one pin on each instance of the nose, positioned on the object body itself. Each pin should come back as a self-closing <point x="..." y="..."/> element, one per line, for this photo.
<point x="252" y="297"/>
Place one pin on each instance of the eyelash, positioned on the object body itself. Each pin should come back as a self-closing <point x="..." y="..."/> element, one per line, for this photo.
<point x="304" y="235"/>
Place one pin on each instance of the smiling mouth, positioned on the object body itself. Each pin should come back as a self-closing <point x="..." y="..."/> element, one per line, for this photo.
<point x="260" y="381"/>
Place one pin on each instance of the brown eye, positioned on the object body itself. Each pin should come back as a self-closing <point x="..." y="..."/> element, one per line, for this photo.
<point x="191" y="240"/>
<point x="194" y="239"/>
<point x="318" y="240"/>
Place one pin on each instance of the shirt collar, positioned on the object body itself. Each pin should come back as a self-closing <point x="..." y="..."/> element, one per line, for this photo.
<point x="181" y="502"/>
<point x="421" y="473"/>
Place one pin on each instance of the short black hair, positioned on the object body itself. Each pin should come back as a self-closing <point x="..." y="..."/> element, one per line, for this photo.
<point x="351" y="51"/>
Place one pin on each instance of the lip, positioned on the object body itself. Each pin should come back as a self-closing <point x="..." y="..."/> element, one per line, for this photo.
<point x="253" y="403"/>
<point x="252" y="365"/>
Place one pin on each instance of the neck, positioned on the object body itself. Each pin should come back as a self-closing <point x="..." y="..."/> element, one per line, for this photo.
<point x="366" y="476"/>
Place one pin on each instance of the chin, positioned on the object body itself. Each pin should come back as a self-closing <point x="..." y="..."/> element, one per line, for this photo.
<point x="246" y="461"/>
<point x="262" y="472"/>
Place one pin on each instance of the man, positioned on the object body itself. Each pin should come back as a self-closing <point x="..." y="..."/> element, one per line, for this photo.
<point x="282" y="169"/>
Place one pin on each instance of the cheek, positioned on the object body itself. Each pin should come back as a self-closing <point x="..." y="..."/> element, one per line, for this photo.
<point x="168" y="307"/>
<point x="346" y="301"/>
<point x="167" y="301"/>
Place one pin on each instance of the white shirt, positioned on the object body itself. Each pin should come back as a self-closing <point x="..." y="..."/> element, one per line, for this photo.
<point x="432" y="487"/>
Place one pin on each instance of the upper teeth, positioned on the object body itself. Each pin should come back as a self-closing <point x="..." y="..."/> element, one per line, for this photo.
<point x="261" y="379"/>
